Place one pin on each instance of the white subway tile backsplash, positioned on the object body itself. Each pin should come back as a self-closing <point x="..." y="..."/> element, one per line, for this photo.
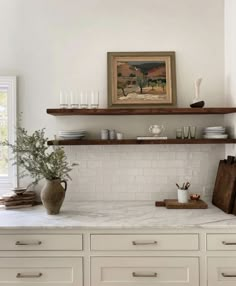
<point x="94" y="164"/>
<point x="142" y="196"/>
<point x="126" y="163"/>
<point x="181" y="155"/>
<point x="103" y="188"/>
<point x="130" y="171"/>
<point x="167" y="155"/>
<point x="143" y="163"/>
<point x="145" y="172"/>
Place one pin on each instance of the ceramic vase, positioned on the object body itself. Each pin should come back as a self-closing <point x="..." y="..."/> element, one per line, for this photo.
<point x="52" y="195"/>
<point x="182" y="196"/>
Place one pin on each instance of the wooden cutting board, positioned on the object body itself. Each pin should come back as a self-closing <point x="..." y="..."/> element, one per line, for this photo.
<point x="192" y="204"/>
<point x="174" y="204"/>
<point x="224" y="193"/>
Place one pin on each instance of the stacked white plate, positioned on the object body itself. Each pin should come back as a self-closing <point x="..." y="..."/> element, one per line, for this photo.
<point x="214" y="132"/>
<point x="72" y="134"/>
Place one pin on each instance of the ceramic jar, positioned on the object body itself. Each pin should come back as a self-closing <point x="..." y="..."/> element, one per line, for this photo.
<point x="52" y="195"/>
<point x="182" y="196"/>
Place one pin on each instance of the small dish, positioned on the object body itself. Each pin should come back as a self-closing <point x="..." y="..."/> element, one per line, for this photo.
<point x="195" y="197"/>
<point x="19" y="191"/>
<point x="215" y="136"/>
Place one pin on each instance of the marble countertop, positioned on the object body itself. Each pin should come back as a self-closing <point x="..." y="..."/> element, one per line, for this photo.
<point x="114" y="215"/>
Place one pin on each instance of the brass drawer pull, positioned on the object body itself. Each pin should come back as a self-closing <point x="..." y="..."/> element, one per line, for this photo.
<point x="228" y="275"/>
<point x="28" y="243"/>
<point x="154" y="274"/>
<point x="228" y="243"/>
<point x="144" y="242"/>
<point x="35" y="275"/>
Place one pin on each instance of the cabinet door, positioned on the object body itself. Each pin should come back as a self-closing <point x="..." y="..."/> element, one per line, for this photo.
<point x="221" y="271"/>
<point x="63" y="271"/>
<point x="144" y="271"/>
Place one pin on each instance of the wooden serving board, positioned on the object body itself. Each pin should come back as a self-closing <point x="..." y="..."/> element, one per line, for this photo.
<point x="225" y="187"/>
<point x="192" y="204"/>
<point x="174" y="204"/>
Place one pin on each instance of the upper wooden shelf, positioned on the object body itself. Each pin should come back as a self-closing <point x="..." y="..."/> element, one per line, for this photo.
<point x="141" y="111"/>
<point x="139" y="142"/>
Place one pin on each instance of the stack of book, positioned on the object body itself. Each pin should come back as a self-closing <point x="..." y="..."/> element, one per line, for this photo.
<point x="13" y="200"/>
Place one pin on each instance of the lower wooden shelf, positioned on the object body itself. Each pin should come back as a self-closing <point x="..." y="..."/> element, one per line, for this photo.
<point x="141" y="142"/>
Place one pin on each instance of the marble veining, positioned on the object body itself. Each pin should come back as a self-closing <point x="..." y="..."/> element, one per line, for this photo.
<point x="114" y="215"/>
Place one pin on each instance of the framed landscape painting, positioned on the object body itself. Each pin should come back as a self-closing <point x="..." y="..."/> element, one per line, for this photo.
<point x="141" y="79"/>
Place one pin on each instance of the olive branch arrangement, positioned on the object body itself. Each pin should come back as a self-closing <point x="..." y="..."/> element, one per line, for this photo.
<point x="33" y="155"/>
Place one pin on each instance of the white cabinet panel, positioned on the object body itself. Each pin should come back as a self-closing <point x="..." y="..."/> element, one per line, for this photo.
<point x="41" y="242"/>
<point x="61" y="271"/>
<point x="143" y="271"/>
<point x="144" y="242"/>
<point x="221" y="271"/>
<point x="225" y="241"/>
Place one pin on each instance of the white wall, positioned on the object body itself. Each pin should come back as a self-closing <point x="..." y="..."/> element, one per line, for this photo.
<point x="55" y="44"/>
<point x="230" y="68"/>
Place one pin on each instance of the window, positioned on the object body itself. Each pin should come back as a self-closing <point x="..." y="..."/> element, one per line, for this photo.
<point x="8" y="177"/>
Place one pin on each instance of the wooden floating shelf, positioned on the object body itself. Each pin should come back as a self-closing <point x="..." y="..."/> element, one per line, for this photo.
<point x="140" y="142"/>
<point x="141" y="111"/>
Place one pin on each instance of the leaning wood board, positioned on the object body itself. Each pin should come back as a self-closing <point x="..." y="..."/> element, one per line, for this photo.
<point x="174" y="204"/>
<point x="224" y="193"/>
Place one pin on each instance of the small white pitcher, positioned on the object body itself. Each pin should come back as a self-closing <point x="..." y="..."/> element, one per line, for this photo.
<point x="156" y="129"/>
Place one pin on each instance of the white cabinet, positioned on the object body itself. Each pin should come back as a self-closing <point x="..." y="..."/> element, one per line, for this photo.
<point x="41" y="259"/>
<point x="143" y="271"/>
<point x="221" y="266"/>
<point x="37" y="271"/>
<point x="122" y="257"/>
<point x="159" y="268"/>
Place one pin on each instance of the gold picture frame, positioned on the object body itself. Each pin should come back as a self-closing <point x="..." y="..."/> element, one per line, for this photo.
<point x="141" y="79"/>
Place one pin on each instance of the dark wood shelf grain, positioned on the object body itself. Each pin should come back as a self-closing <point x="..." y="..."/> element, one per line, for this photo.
<point x="141" y="111"/>
<point x="141" y="142"/>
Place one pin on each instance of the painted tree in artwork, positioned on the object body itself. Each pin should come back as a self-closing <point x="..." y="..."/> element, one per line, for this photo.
<point x="142" y="82"/>
<point x="162" y="84"/>
<point x="122" y="85"/>
<point x="152" y="84"/>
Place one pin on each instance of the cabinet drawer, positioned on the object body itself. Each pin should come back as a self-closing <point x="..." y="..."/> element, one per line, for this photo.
<point x="221" y="271"/>
<point x="41" y="242"/>
<point x="145" y="242"/>
<point x="41" y="271"/>
<point x="143" y="271"/>
<point x="221" y="241"/>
